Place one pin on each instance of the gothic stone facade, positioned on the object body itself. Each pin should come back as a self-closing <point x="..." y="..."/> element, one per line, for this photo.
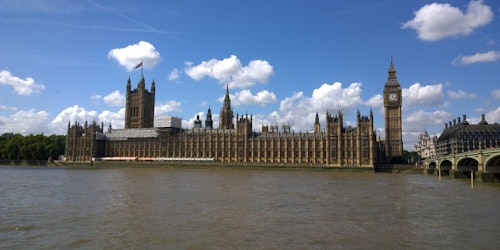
<point x="335" y="145"/>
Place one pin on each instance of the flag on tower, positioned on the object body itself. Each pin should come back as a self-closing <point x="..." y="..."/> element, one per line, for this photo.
<point x="139" y="65"/>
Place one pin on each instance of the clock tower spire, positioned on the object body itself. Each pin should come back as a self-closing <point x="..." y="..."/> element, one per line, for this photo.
<point x="392" y="115"/>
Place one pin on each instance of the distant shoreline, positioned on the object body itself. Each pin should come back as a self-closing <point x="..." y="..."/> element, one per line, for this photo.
<point x="210" y="165"/>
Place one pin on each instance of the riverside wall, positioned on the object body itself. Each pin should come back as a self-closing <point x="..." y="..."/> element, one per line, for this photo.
<point x="212" y="165"/>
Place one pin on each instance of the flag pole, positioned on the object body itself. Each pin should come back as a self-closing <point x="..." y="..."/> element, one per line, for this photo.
<point x="140" y="66"/>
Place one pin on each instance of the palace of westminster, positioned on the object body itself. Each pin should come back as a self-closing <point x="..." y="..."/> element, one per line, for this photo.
<point x="234" y="140"/>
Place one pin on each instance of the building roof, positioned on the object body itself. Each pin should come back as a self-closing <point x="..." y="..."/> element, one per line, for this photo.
<point x="465" y="128"/>
<point x="124" y="134"/>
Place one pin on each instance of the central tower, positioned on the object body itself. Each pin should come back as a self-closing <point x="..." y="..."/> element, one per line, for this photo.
<point x="392" y="115"/>
<point x="140" y="105"/>
<point x="226" y="114"/>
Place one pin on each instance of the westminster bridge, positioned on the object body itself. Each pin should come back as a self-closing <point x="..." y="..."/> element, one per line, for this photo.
<point x="483" y="164"/>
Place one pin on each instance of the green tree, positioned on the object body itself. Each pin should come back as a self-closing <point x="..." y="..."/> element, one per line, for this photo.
<point x="40" y="147"/>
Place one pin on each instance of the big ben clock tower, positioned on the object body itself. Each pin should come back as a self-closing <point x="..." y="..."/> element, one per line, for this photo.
<point x="392" y="115"/>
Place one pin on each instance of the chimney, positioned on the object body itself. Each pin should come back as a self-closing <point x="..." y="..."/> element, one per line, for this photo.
<point x="483" y="119"/>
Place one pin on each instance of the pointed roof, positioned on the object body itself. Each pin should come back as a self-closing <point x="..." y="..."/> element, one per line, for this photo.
<point x="141" y="84"/>
<point x="392" y="78"/>
<point x="128" y="82"/>
<point x="227" y="100"/>
<point x="391" y="67"/>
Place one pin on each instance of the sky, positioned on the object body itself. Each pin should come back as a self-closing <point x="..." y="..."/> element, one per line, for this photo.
<point x="284" y="61"/>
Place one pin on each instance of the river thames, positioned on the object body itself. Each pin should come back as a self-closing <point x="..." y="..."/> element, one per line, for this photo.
<point x="155" y="208"/>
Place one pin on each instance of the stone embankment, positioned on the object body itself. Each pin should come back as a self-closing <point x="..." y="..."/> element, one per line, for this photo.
<point x="212" y="165"/>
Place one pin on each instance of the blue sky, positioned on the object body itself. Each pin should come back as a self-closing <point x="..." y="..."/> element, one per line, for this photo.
<point x="65" y="60"/>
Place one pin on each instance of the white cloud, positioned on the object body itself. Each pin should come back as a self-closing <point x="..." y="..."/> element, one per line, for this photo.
<point x="334" y="97"/>
<point x="7" y="108"/>
<point x="115" y="99"/>
<point x="230" y="71"/>
<point x="190" y="122"/>
<point x="375" y="101"/>
<point x="436" y="21"/>
<point x="495" y="93"/>
<point x="130" y="56"/>
<point x="95" y="98"/>
<point x="460" y="94"/>
<point x="493" y="116"/>
<point x="300" y="110"/>
<point x="419" y="120"/>
<point x="174" y="75"/>
<point x="490" y="56"/>
<point x="37" y="122"/>
<point x="431" y="95"/>
<point x="167" y="107"/>
<point x="416" y="122"/>
<point x="117" y="119"/>
<point x="25" y="122"/>
<point x="245" y="97"/>
<point x="25" y="86"/>
<point x="72" y="114"/>
<point x="75" y="113"/>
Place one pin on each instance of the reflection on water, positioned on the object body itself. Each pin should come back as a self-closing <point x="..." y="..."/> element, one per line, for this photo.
<point x="202" y="208"/>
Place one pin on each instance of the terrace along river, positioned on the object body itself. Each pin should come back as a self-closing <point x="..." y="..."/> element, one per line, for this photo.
<point x="170" y="208"/>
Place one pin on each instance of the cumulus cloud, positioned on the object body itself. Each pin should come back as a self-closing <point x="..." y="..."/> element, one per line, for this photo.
<point x="375" y="101"/>
<point x="299" y="110"/>
<point x="231" y="71"/>
<point x="460" y="94"/>
<point x="490" y="56"/>
<point x="130" y="56"/>
<point x="437" y="21"/>
<point x="167" y="107"/>
<point x="73" y="114"/>
<point x="245" y="97"/>
<point x="25" y="122"/>
<point x="79" y="114"/>
<point x="326" y="97"/>
<point x="116" y="119"/>
<point x="95" y="98"/>
<point x="333" y="96"/>
<point x="419" y="120"/>
<point x="25" y="86"/>
<point x="7" y="108"/>
<point x="431" y="95"/>
<point x="493" y="116"/>
<point x="174" y="75"/>
<point x="115" y="99"/>
<point x="31" y="121"/>
<point x="495" y="93"/>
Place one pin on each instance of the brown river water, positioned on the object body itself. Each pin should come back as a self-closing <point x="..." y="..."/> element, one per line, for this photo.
<point x="155" y="208"/>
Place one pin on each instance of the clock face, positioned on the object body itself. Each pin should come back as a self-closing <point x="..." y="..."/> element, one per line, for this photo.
<point x="393" y="97"/>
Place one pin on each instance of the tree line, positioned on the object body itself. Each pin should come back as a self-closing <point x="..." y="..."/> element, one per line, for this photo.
<point x="31" y="147"/>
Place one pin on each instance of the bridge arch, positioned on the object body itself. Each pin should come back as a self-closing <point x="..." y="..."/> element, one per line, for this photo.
<point x="431" y="167"/>
<point x="445" y="167"/>
<point x="493" y="165"/>
<point x="467" y="164"/>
